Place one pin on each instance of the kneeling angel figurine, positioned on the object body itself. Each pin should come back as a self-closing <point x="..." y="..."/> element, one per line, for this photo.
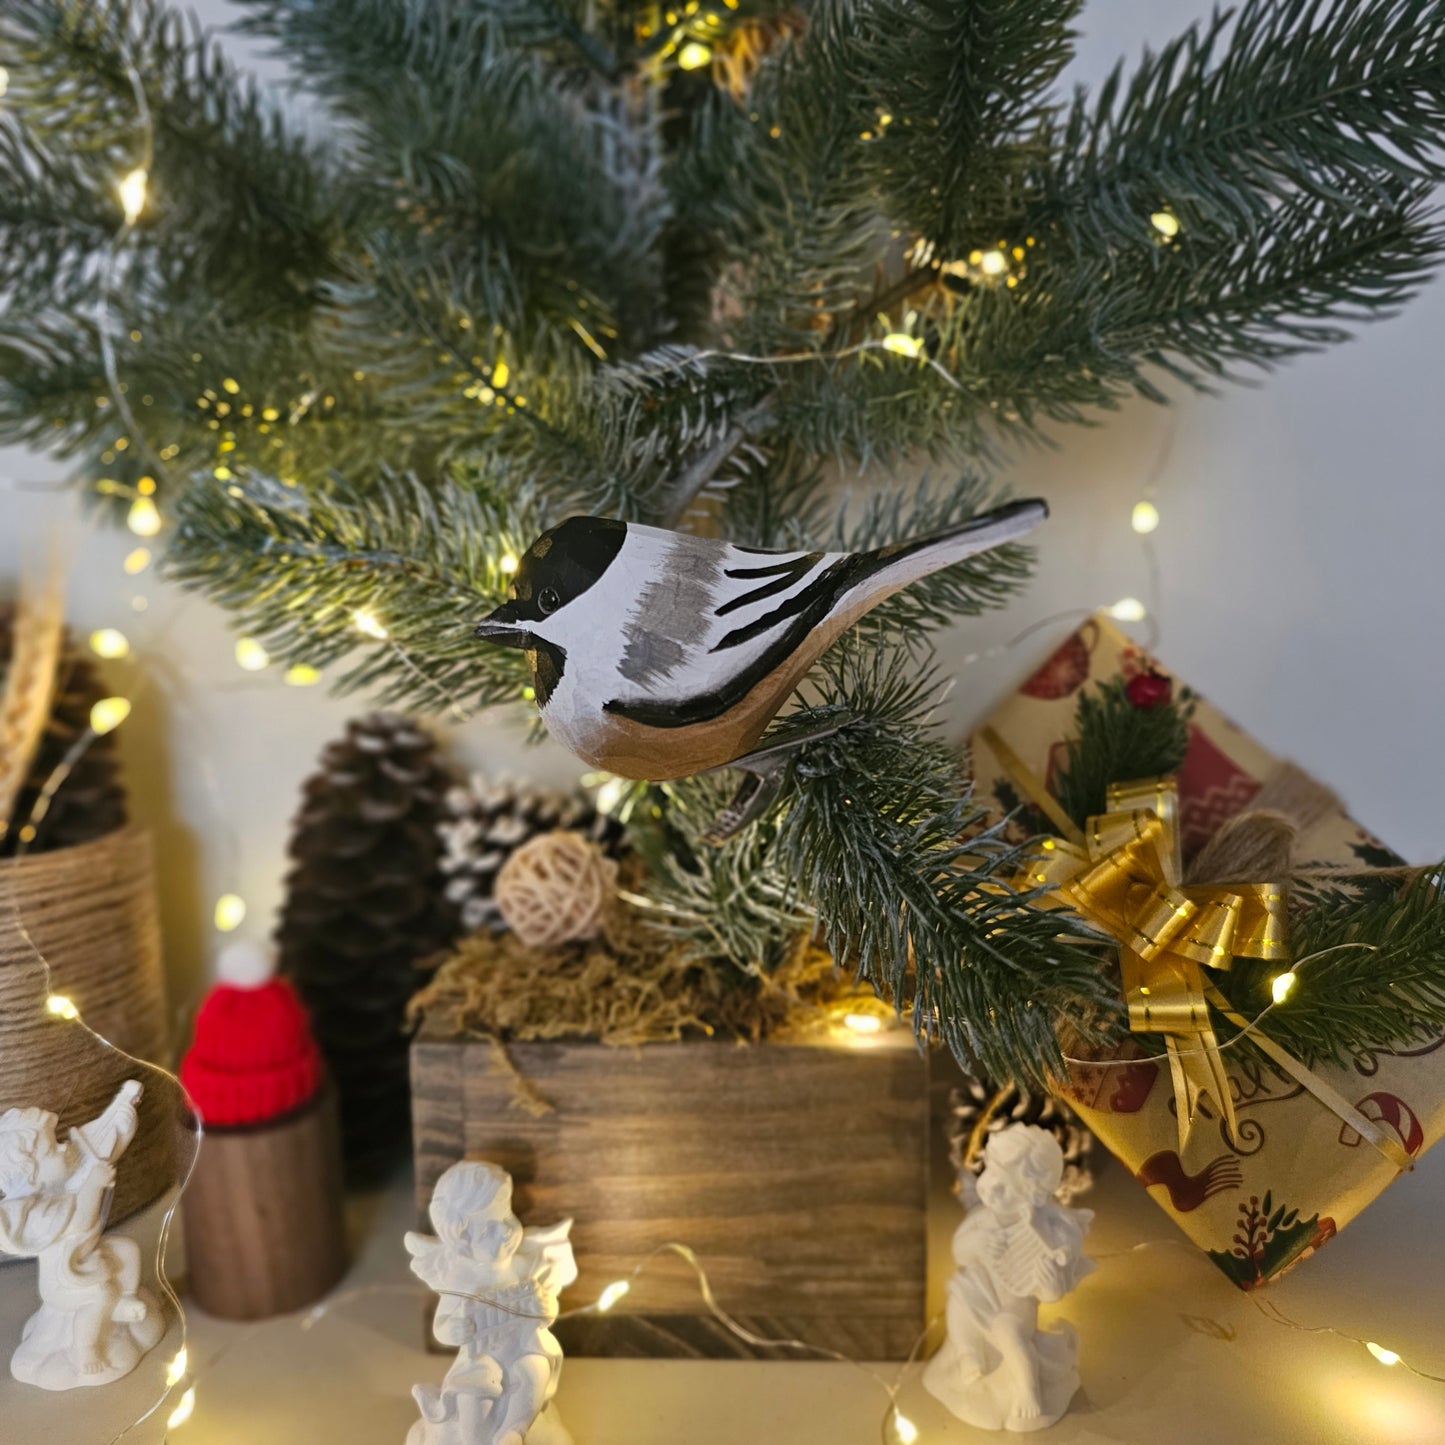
<point x="499" y="1285"/>
<point x="95" y="1322"/>
<point x="1018" y="1246"/>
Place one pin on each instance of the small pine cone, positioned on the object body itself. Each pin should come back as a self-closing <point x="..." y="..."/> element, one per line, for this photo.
<point x="980" y="1108"/>
<point x="91" y="801"/>
<point x="364" y="910"/>
<point x="487" y="821"/>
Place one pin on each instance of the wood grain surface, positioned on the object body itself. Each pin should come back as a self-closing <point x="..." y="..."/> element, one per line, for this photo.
<point x="798" y="1173"/>
<point x="263" y="1217"/>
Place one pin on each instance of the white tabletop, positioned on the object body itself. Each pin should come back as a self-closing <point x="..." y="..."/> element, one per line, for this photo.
<point x="1171" y="1353"/>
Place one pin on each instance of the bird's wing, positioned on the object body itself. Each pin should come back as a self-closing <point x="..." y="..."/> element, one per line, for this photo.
<point x="710" y="619"/>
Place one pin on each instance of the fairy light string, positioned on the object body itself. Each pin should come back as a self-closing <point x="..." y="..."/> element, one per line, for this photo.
<point x="180" y="1392"/>
<point x="63" y="1007"/>
<point x="895" y="1427"/>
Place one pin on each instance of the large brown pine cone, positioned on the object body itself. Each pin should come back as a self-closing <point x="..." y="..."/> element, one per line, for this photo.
<point x="364" y="914"/>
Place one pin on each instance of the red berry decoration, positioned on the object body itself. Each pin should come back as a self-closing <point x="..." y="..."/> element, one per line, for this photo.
<point x="1149" y="689"/>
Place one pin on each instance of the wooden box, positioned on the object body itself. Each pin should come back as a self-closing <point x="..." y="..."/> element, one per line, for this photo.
<point x="797" y="1172"/>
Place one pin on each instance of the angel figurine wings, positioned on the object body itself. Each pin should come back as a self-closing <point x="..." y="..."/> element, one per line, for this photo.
<point x="1018" y="1246"/>
<point x="499" y="1285"/>
<point x="95" y="1322"/>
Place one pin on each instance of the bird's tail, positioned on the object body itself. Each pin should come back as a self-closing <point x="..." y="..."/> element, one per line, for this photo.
<point x="905" y="562"/>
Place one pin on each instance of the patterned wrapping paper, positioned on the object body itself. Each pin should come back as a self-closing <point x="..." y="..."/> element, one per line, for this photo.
<point x="1296" y="1174"/>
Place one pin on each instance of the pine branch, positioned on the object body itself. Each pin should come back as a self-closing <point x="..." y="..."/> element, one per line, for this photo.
<point x="1370" y="970"/>
<point x="734" y="903"/>
<point x="52" y="223"/>
<point x="1322" y="99"/>
<point x="952" y="102"/>
<point x="1113" y="741"/>
<point x="236" y="202"/>
<point x="1080" y="335"/>
<point x="546" y="191"/>
<point x="871" y="833"/>
<point x="425" y="564"/>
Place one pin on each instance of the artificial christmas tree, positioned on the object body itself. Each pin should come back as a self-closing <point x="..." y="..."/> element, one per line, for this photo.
<point x="534" y="260"/>
<point x="364" y="911"/>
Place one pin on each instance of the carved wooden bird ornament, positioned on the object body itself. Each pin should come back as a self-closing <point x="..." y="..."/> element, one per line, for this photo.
<point x="657" y="654"/>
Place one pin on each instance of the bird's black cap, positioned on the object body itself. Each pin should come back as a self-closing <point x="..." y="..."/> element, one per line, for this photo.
<point x="557" y="569"/>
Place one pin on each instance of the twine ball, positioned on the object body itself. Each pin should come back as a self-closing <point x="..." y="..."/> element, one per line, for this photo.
<point x="555" y="889"/>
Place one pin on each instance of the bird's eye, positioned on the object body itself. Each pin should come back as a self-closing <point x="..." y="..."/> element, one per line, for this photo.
<point x="548" y="600"/>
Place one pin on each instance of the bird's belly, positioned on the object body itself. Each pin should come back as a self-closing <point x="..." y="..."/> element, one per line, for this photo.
<point x="637" y="750"/>
<point x="632" y="749"/>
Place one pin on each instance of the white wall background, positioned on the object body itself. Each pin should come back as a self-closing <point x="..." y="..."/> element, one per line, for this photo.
<point x="1300" y="573"/>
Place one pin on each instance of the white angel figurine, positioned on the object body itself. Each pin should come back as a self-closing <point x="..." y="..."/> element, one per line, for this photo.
<point x="997" y="1369"/>
<point x="499" y="1285"/>
<point x="95" y="1322"/>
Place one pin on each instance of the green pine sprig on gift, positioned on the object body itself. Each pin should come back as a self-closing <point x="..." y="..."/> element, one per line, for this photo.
<point x="1114" y="740"/>
<point x="1367" y="951"/>
<point x="1369" y="965"/>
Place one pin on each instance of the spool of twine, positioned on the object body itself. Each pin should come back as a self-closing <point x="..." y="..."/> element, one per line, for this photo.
<point x="556" y="888"/>
<point x="1258" y="844"/>
<point x="91" y="912"/>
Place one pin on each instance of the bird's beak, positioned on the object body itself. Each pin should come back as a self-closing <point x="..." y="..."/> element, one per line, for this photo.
<point x="502" y="628"/>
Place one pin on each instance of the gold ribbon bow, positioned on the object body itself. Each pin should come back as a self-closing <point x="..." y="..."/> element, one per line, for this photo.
<point x="1125" y="878"/>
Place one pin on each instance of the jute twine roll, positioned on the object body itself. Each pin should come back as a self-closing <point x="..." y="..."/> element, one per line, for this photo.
<point x="91" y="913"/>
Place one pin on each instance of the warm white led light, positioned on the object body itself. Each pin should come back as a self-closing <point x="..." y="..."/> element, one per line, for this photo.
<point x="612" y="1294"/>
<point x="694" y="55"/>
<point x="301" y="674"/>
<point x="993" y="262"/>
<point x="610" y="793"/>
<point x="183" y="1411"/>
<point x="137" y="561"/>
<point x="863" y="1023"/>
<point x="108" y="714"/>
<point x="1128" y="609"/>
<point x="251" y="656"/>
<point x="1166" y="223"/>
<point x="1144" y="518"/>
<point x="904" y="1429"/>
<point x="132" y="190"/>
<point x="144" y="518"/>
<point x="902" y="344"/>
<point x="61" y="1007"/>
<point x="1282" y="986"/>
<point x="508" y="564"/>
<point x="1384" y="1356"/>
<point x="109" y="643"/>
<point x="176" y="1370"/>
<point x="230" y="912"/>
<point x="370" y="624"/>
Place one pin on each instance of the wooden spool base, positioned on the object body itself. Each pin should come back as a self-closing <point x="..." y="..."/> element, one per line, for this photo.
<point x="263" y="1217"/>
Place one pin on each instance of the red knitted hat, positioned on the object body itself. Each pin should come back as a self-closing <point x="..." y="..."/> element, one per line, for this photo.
<point x="253" y="1057"/>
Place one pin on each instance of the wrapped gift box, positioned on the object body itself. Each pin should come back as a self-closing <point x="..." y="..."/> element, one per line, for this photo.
<point x="1295" y="1174"/>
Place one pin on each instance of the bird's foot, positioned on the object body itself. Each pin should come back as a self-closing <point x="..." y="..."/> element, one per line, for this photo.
<point x="763" y="772"/>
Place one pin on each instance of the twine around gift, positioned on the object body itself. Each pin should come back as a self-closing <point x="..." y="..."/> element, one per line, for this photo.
<point x="1123" y="875"/>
